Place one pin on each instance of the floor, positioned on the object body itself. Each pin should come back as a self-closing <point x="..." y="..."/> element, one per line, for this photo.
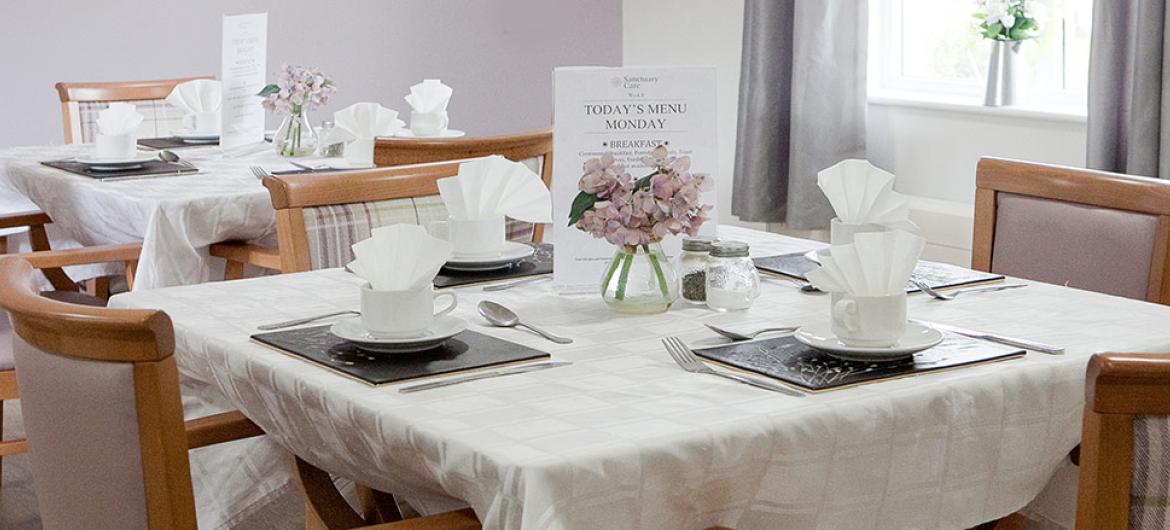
<point x="18" y="505"/>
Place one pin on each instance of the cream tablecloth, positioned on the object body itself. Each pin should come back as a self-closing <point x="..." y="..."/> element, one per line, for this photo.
<point x="625" y="439"/>
<point x="175" y="218"/>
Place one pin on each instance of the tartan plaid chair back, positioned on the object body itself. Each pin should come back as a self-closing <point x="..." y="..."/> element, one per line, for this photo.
<point x="82" y="102"/>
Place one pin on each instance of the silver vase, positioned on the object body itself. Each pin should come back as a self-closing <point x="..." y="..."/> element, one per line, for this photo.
<point x="1003" y="74"/>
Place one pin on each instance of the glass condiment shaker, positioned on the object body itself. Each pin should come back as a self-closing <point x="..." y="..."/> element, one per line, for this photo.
<point x="328" y="150"/>
<point x="732" y="280"/>
<point x="692" y="268"/>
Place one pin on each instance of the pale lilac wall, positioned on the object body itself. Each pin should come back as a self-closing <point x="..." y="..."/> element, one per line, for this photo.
<point x="497" y="54"/>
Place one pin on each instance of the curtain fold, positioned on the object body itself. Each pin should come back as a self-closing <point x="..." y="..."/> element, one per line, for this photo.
<point x="1129" y="88"/>
<point x="801" y="106"/>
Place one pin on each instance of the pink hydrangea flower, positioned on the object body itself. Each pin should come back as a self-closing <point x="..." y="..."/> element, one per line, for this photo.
<point x="298" y="88"/>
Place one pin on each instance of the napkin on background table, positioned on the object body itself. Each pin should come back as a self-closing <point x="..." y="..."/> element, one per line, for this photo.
<point x="399" y="257"/>
<point x="118" y="119"/>
<point x="875" y="264"/>
<point x="358" y="125"/>
<point x="429" y="96"/>
<point x="860" y="193"/>
<point x="197" y="96"/>
<point x="494" y="186"/>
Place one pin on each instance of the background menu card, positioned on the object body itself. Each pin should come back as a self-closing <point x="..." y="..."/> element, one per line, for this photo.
<point x="629" y="112"/>
<point x="937" y="275"/>
<point x="789" y="360"/>
<point x="244" y="68"/>
<point x="466" y="351"/>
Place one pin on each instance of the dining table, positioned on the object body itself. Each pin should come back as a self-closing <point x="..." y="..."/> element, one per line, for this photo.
<point x="175" y="217"/>
<point x="624" y="438"/>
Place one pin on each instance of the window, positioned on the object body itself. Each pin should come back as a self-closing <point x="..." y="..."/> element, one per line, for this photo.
<point x="932" y="49"/>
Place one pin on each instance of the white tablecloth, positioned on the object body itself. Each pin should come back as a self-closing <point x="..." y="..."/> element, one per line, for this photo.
<point x="175" y="218"/>
<point x="625" y="439"/>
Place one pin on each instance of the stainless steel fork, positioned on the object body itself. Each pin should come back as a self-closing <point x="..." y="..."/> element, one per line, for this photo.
<point x="687" y="360"/>
<point x="260" y="172"/>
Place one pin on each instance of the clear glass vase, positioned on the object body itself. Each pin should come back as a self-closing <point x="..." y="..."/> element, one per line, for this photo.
<point x="640" y="280"/>
<point x="295" y="137"/>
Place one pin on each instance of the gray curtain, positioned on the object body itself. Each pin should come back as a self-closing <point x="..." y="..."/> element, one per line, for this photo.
<point x="801" y="106"/>
<point x="1129" y="80"/>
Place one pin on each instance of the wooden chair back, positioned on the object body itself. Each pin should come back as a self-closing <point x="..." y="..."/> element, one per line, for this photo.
<point x="1125" y="444"/>
<point x="81" y="103"/>
<point x="532" y="148"/>
<point x="100" y="397"/>
<point x="1088" y="229"/>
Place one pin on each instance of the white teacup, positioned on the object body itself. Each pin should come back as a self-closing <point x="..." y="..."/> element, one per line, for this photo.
<point x="395" y="314"/>
<point x="869" y="321"/>
<point x="429" y="123"/>
<point x="116" y="146"/>
<point x="359" y="153"/>
<point x="203" y="122"/>
<point x="472" y="238"/>
<point x="841" y="233"/>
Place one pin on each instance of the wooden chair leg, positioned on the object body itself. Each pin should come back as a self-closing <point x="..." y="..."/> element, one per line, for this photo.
<point x="378" y="506"/>
<point x="38" y="239"/>
<point x="131" y="270"/>
<point x="3" y="244"/>
<point x="233" y="270"/>
<point x="98" y="287"/>
<point x="325" y="508"/>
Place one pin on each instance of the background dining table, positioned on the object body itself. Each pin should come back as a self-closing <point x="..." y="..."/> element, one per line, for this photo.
<point x="174" y="217"/>
<point x="623" y="438"/>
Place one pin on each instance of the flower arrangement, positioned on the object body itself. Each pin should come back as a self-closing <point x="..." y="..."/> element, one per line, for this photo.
<point x="1007" y="20"/>
<point x="636" y="215"/>
<point x="297" y="89"/>
<point x="613" y="206"/>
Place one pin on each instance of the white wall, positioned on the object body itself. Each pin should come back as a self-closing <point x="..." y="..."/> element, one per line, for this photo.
<point x="498" y="55"/>
<point x="931" y="148"/>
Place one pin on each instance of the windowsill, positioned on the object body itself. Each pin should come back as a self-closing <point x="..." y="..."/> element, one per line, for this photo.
<point x="972" y="106"/>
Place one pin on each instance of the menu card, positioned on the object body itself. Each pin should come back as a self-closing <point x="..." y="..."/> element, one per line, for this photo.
<point x="244" y="68"/>
<point x="628" y="112"/>
<point x="936" y="275"/>
<point x="793" y="362"/>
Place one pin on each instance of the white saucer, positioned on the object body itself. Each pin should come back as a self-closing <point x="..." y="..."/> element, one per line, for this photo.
<point x="115" y="164"/>
<point x="917" y="338"/>
<point x="444" y="327"/>
<point x="193" y="137"/>
<point x="449" y="133"/>
<point x="512" y="253"/>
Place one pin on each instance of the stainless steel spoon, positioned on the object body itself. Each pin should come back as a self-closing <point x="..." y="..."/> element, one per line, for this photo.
<point x="503" y="317"/>
<point x="749" y="336"/>
<point x="170" y="157"/>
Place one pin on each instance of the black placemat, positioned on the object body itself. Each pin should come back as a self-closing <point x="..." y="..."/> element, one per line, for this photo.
<point x="789" y="360"/>
<point x="466" y="351"/>
<point x="172" y="142"/>
<point x="153" y="168"/>
<point x="540" y="262"/>
<point x="932" y="273"/>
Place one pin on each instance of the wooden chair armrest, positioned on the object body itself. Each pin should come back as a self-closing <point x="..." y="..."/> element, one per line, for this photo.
<point x="32" y="218"/>
<point x="220" y="428"/>
<point x="46" y="259"/>
<point x="1128" y="383"/>
<point x="458" y="520"/>
<point x="241" y="252"/>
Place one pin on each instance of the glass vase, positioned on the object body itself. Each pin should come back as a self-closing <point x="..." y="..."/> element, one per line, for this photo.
<point x="295" y="137"/>
<point x="640" y="280"/>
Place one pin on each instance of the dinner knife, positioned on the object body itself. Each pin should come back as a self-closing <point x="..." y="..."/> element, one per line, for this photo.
<point x="1001" y="339"/>
<point x="522" y="369"/>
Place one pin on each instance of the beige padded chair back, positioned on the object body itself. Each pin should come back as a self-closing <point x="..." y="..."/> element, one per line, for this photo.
<point x="1092" y="230"/>
<point x="103" y="418"/>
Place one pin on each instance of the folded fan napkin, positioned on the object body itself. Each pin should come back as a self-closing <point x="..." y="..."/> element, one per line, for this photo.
<point x="429" y="96"/>
<point x="875" y="264"/>
<point x="863" y="194"/>
<point x="119" y="118"/>
<point x="399" y="257"/>
<point x="494" y="186"/>
<point x="197" y="96"/>
<point x="364" y="121"/>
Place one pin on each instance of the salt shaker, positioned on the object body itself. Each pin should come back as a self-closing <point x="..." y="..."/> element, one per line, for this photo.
<point x="328" y="150"/>
<point x="692" y="268"/>
<point x="732" y="280"/>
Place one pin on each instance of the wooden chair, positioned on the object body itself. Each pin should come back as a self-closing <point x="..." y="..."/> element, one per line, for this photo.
<point x="1125" y="444"/>
<point x="81" y="103"/>
<point x="319" y="216"/>
<point x="533" y="149"/>
<point x="1093" y="230"/>
<point x="102" y="410"/>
